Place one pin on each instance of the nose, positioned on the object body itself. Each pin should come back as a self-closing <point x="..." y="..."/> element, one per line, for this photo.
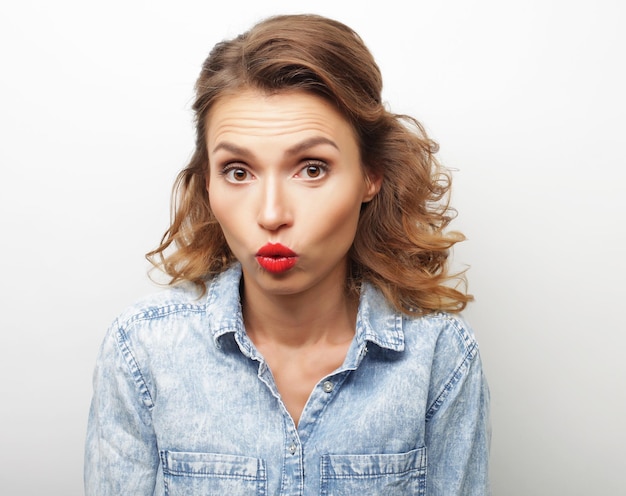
<point x="275" y="206"/>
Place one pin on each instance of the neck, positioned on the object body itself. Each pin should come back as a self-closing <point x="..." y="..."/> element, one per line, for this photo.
<point x="323" y="314"/>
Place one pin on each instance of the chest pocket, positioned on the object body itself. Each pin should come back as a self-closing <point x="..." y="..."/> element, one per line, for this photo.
<point x="374" y="475"/>
<point x="209" y="474"/>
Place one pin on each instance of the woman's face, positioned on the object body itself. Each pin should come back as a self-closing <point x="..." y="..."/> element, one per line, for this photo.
<point x="286" y="185"/>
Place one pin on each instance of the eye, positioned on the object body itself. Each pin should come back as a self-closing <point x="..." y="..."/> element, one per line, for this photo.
<point x="313" y="170"/>
<point x="235" y="174"/>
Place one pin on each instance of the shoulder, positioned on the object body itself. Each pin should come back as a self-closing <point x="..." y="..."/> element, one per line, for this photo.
<point x="180" y="313"/>
<point x="162" y="304"/>
<point x="153" y="324"/>
<point x="450" y="339"/>
<point x="451" y="332"/>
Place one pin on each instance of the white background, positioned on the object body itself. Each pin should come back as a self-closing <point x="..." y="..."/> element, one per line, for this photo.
<point x="527" y="102"/>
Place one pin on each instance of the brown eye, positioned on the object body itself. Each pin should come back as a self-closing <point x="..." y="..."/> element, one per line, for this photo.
<point x="237" y="175"/>
<point x="313" y="171"/>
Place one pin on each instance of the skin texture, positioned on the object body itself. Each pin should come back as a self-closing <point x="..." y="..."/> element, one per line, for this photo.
<point x="285" y="168"/>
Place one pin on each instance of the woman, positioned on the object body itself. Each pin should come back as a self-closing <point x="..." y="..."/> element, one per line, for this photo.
<point x="309" y="342"/>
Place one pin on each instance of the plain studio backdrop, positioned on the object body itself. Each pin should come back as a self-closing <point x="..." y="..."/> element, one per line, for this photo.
<point x="526" y="100"/>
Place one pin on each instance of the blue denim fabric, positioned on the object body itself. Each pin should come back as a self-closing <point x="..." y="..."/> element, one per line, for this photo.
<point x="184" y="404"/>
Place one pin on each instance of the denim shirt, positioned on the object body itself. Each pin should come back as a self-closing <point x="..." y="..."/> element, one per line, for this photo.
<point x="184" y="404"/>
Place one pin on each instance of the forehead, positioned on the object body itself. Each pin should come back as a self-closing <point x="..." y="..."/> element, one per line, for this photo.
<point x="257" y="114"/>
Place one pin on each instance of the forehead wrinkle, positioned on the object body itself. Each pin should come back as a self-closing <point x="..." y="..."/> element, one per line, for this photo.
<point x="320" y="130"/>
<point x="294" y="123"/>
<point x="236" y="119"/>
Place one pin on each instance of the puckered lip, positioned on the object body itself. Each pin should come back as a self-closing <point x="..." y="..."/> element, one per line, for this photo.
<point x="276" y="258"/>
<point x="275" y="250"/>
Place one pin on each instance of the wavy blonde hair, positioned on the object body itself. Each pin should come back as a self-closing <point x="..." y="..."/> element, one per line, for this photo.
<point x="401" y="245"/>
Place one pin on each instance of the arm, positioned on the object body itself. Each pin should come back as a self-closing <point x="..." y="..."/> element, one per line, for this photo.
<point x="458" y="431"/>
<point x="121" y="456"/>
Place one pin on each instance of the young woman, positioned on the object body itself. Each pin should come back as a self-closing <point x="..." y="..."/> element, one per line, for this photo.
<point x="310" y="342"/>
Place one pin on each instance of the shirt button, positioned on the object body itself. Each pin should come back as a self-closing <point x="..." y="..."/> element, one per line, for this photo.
<point x="293" y="448"/>
<point x="328" y="386"/>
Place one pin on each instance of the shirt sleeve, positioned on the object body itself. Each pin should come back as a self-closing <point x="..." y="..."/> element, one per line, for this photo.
<point x="121" y="455"/>
<point x="458" y="431"/>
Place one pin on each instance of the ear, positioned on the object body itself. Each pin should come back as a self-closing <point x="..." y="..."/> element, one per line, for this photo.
<point x="373" y="183"/>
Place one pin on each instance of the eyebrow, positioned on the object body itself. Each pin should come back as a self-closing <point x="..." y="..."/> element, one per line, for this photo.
<point x="294" y="150"/>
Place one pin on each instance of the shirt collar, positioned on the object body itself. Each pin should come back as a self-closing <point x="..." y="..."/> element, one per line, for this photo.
<point x="377" y="321"/>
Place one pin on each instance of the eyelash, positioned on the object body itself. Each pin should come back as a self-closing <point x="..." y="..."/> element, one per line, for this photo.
<point x="322" y="166"/>
<point x="228" y="168"/>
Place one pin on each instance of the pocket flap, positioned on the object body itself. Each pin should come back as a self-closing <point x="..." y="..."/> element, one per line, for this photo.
<point x="211" y="464"/>
<point x="339" y="466"/>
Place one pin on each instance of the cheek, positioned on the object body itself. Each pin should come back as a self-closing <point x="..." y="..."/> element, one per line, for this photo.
<point x="333" y="219"/>
<point x="220" y="207"/>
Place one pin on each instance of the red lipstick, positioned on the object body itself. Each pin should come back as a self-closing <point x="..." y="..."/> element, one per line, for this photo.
<point x="276" y="258"/>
